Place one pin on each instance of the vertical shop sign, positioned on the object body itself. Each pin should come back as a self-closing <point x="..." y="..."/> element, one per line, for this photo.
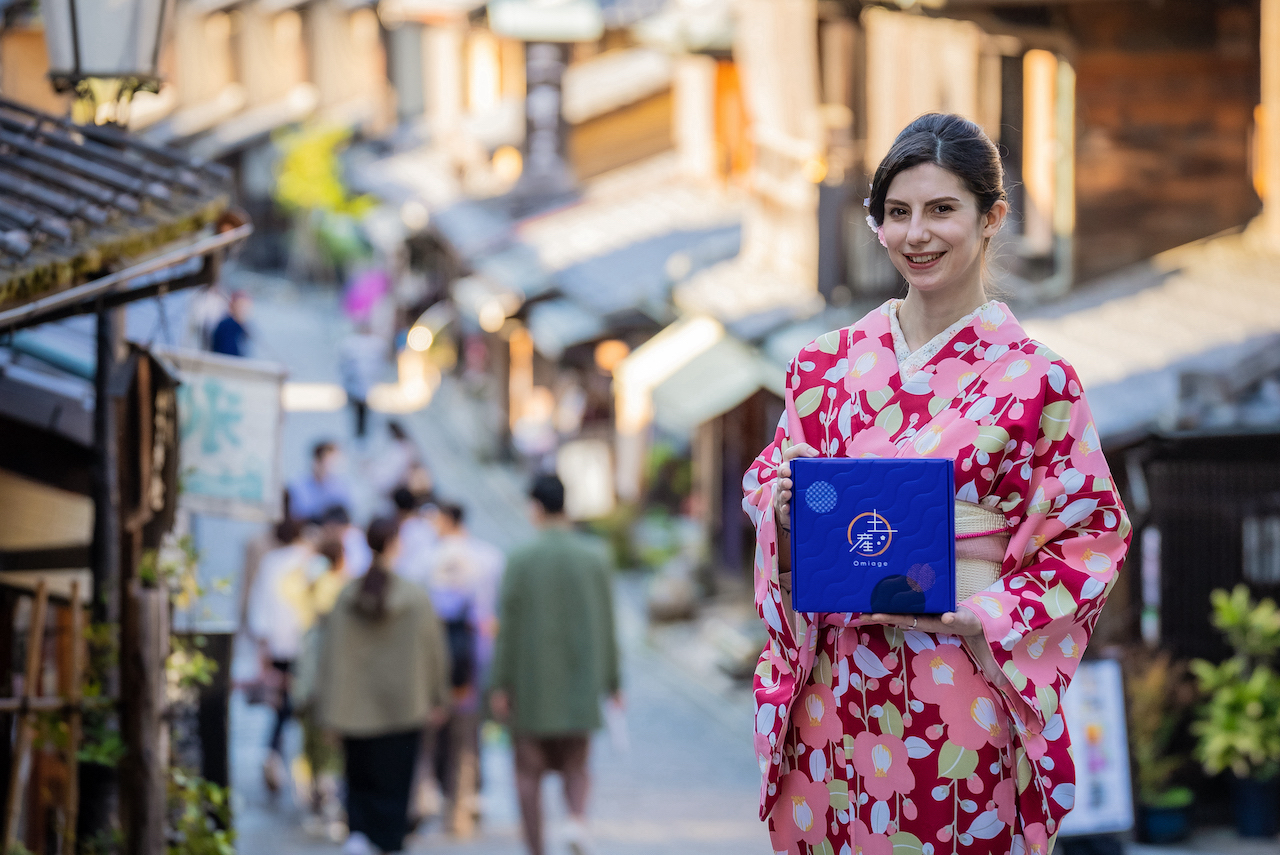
<point x="1093" y="713"/>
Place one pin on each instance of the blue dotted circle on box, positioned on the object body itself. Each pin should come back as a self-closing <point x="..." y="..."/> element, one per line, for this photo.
<point x="820" y="497"/>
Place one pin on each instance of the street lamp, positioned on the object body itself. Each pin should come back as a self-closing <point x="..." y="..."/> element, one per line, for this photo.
<point x="116" y="40"/>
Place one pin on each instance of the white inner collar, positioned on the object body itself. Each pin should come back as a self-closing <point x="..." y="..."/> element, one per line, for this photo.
<point x="908" y="362"/>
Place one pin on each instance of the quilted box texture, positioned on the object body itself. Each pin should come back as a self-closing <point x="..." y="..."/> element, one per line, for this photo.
<point x="873" y="535"/>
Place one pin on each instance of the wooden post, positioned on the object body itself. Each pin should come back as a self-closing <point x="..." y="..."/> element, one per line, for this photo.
<point x="1270" y="130"/>
<point x="144" y="648"/>
<point x="71" y="804"/>
<point x="21" y="763"/>
<point x="106" y="486"/>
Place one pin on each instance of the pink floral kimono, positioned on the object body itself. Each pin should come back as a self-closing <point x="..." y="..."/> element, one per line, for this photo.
<point x="877" y="741"/>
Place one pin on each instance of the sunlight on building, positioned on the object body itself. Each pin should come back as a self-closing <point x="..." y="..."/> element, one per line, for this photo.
<point x="312" y="397"/>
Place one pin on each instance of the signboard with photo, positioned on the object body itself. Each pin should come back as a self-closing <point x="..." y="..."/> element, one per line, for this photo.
<point x="229" y="420"/>
<point x="1093" y="710"/>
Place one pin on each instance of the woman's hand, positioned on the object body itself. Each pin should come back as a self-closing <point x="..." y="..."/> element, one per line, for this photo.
<point x="782" y="492"/>
<point x="960" y="622"/>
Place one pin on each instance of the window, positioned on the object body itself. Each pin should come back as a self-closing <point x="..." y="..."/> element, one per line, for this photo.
<point x="1261" y="536"/>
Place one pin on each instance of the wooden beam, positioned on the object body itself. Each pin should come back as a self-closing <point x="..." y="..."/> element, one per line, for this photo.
<point x="1269" y="138"/>
<point x="20" y="764"/>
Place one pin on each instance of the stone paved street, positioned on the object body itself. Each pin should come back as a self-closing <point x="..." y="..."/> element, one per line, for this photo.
<point x="689" y="782"/>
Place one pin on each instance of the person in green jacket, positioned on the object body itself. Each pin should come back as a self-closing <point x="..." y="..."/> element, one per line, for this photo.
<point x="383" y="671"/>
<point x="555" y="659"/>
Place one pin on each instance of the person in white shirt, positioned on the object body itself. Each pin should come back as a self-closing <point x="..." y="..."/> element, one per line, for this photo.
<point x="418" y="536"/>
<point x="465" y="573"/>
<point x="277" y="609"/>
<point x="362" y="360"/>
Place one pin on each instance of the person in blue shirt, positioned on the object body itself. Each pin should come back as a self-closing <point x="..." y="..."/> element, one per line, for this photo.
<point x="231" y="336"/>
<point x="317" y="491"/>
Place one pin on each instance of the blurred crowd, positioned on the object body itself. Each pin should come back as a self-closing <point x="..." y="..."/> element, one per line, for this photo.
<point x="391" y="644"/>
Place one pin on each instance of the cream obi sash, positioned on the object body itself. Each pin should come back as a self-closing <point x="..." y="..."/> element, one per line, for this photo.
<point x="982" y="536"/>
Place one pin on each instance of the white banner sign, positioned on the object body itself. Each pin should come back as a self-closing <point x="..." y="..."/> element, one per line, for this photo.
<point x="229" y="418"/>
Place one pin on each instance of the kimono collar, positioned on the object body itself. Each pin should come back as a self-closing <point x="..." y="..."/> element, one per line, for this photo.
<point x="992" y="323"/>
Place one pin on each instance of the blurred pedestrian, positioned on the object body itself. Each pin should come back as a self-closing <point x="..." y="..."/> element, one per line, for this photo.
<point x="463" y="582"/>
<point x="418" y="535"/>
<point x="361" y="361"/>
<point x="317" y="783"/>
<point x="231" y="335"/>
<point x="383" y="672"/>
<point x="398" y="462"/>
<point x="335" y="524"/>
<point x="320" y="488"/>
<point x="556" y="657"/>
<point x="254" y="550"/>
<point x="278" y="614"/>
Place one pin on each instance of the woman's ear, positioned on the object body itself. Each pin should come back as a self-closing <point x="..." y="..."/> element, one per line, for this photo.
<point x="994" y="218"/>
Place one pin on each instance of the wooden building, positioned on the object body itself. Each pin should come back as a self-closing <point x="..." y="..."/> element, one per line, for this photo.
<point x="1127" y="128"/>
<point x="92" y="219"/>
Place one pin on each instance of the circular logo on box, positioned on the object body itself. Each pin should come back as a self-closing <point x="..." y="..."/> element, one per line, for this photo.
<point x="820" y="496"/>
<point x="870" y="534"/>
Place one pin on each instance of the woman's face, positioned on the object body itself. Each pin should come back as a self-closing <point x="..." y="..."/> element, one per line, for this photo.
<point x="934" y="230"/>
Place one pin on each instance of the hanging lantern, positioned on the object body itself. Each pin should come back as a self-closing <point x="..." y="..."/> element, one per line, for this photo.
<point x="118" y="39"/>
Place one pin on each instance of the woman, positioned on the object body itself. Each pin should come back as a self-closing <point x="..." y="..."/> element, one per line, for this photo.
<point x="384" y="670"/>
<point x="885" y="733"/>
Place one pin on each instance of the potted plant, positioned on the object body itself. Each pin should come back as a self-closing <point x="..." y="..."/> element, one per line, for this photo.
<point x="1238" y="725"/>
<point x="1159" y="696"/>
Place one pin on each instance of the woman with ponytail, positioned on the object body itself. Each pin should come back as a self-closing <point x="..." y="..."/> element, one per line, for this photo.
<point x="384" y="670"/>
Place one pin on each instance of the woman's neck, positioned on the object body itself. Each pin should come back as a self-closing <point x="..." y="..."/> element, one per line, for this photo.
<point x="923" y="315"/>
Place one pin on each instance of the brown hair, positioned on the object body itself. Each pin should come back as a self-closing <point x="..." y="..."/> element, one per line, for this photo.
<point x="951" y="142"/>
<point x="331" y="548"/>
<point x="371" y="599"/>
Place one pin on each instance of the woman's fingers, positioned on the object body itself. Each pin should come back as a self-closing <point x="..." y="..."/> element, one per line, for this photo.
<point x="951" y="623"/>
<point x="800" y="449"/>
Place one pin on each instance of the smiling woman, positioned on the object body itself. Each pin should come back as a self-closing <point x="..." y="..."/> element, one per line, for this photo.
<point x="880" y="733"/>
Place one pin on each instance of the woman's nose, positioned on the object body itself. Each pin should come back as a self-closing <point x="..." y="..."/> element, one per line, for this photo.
<point x="918" y="231"/>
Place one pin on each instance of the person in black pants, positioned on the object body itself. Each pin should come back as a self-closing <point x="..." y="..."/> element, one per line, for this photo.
<point x="384" y="670"/>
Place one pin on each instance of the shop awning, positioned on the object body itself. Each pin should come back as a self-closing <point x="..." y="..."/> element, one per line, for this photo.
<point x="559" y="324"/>
<point x="738" y="288"/>
<point x="712" y="383"/>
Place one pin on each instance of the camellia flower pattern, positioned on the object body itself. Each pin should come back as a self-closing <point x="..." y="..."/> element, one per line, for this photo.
<point x="872" y="739"/>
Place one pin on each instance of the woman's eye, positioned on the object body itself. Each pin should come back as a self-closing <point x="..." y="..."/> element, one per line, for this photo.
<point x="943" y="209"/>
<point x="897" y="212"/>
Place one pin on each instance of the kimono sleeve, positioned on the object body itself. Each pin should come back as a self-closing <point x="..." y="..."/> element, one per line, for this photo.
<point x="785" y="661"/>
<point x="1070" y="535"/>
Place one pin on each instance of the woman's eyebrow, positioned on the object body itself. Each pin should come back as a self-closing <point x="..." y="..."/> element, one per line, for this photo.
<point x="927" y="204"/>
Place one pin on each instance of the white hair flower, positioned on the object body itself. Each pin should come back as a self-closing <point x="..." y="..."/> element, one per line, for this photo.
<point x="878" y="229"/>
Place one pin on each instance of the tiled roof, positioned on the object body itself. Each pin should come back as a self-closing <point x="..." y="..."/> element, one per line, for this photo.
<point x="1200" y="307"/>
<point x="74" y="200"/>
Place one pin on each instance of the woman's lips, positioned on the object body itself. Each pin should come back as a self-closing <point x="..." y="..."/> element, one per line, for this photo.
<point x="923" y="260"/>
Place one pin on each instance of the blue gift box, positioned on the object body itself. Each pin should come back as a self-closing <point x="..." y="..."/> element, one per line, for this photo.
<point x="873" y="535"/>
